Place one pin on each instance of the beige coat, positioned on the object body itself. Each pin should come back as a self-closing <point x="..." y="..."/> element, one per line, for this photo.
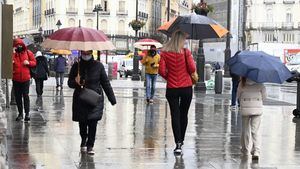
<point x="251" y="98"/>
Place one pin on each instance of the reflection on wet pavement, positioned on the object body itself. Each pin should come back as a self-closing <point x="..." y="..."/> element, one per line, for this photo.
<point x="134" y="134"/>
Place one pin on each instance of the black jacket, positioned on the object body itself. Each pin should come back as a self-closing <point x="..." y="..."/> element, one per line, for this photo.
<point x="93" y="73"/>
<point x="41" y="70"/>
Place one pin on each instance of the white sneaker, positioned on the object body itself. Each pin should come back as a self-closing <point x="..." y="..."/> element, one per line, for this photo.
<point x="83" y="149"/>
<point x="233" y="108"/>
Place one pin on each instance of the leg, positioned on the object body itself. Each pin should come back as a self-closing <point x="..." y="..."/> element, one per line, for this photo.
<point x="185" y="102"/>
<point x="38" y="86"/>
<point x="148" y="84"/>
<point x="256" y="137"/>
<point x="245" y="136"/>
<point x="92" y="128"/>
<point x="153" y="83"/>
<point x="233" y="92"/>
<point x="42" y="86"/>
<point x="83" y="133"/>
<point x="12" y="96"/>
<point x="56" y="78"/>
<point x="25" y="94"/>
<point x="62" y="79"/>
<point x="18" y="97"/>
<point x="173" y="99"/>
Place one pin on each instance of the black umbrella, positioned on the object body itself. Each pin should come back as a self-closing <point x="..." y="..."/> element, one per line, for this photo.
<point x="27" y="41"/>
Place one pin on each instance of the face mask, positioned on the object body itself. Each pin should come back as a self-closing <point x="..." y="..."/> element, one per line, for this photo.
<point x="152" y="52"/>
<point x="86" y="57"/>
<point x="19" y="49"/>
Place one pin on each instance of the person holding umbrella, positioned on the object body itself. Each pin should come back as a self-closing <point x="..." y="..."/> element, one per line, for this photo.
<point x="251" y="96"/>
<point x="60" y="64"/>
<point x="151" y="62"/>
<point x="89" y="74"/>
<point x="176" y="66"/>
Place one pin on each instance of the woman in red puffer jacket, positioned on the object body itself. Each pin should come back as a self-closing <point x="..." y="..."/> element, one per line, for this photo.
<point x="176" y="66"/>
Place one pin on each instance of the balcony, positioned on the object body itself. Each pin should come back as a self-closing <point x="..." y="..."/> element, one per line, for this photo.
<point x="88" y="11"/>
<point x="122" y="12"/>
<point x="72" y="11"/>
<point x="143" y="15"/>
<point x="288" y="25"/>
<point x="269" y="2"/>
<point x="288" y="1"/>
<point x="49" y="11"/>
<point x="107" y="12"/>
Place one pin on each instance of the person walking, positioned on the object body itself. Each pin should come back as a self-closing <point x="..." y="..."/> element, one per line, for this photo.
<point x="91" y="75"/>
<point x="251" y="96"/>
<point x="59" y="67"/>
<point x="235" y="79"/>
<point x="23" y="60"/>
<point x="41" y="72"/>
<point x="151" y="62"/>
<point x="176" y="66"/>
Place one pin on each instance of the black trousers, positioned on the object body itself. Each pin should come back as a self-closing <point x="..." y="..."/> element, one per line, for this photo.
<point x="39" y="86"/>
<point x="22" y="91"/>
<point x="88" y="132"/>
<point x="179" y="101"/>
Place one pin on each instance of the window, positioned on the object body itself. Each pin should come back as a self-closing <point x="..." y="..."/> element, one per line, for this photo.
<point x="89" y="23"/>
<point x="72" y="4"/>
<point x="104" y="25"/>
<point x="121" y="27"/>
<point x="288" y="38"/>
<point x="289" y="17"/>
<point x="104" y="5"/>
<point x="269" y="37"/>
<point x="71" y="22"/>
<point x="89" y="4"/>
<point x="122" y="6"/>
<point x="269" y="15"/>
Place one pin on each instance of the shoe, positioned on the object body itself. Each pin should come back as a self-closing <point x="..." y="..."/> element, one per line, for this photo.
<point x="27" y="118"/>
<point x="83" y="149"/>
<point x="147" y="100"/>
<point x="178" y="150"/>
<point x="151" y="101"/>
<point x="233" y="108"/>
<point x="255" y="158"/>
<point x="19" y="118"/>
<point x="90" y="151"/>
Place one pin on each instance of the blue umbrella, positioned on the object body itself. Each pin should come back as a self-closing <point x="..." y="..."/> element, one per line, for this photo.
<point x="27" y="41"/>
<point x="259" y="67"/>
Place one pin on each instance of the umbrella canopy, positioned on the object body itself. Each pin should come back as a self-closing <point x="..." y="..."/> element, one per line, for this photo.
<point x="259" y="67"/>
<point x="27" y="41"/>
<point x="165" y="27"/>
<point x="78" y="38"/>
<point x="61" y="52"/>
<point x="145" y="44"/>
<point x="197" y="26"/>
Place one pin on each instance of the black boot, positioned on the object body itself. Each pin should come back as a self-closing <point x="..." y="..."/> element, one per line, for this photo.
<point x="20" y="117"/>
<point x="27" y="117"/>
<point x="178" y="150"/>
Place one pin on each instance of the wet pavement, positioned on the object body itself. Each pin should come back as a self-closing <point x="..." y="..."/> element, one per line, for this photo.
<point x="133" y="134"/>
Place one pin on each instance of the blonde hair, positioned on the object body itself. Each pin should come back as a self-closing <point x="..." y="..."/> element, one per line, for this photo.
<point x="177" y="39"/>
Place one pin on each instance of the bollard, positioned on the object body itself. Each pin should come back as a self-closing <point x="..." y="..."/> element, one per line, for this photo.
<point x="109" y="71"/>
<point x="207" y="69"/>
<point x="218" y="81"/>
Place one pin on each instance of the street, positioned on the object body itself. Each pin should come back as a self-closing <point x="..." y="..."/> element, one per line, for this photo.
<point x="133" y="134"/>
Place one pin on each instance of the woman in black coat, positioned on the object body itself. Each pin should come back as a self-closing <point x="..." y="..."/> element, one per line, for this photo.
<point x="41" y="72"/>
<point x="92" y="76"/>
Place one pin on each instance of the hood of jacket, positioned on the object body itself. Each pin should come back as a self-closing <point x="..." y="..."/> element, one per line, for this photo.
<point x="19" y="41"/>
<point x="250" y="82"/>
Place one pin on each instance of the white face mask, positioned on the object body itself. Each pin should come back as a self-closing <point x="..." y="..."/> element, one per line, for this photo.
<point x="86" y="57"/>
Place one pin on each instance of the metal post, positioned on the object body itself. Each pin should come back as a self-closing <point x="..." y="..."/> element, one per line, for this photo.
<point x="200" y="85"/>
<point x="135" y="75"/>
<point x="227" y="50"/>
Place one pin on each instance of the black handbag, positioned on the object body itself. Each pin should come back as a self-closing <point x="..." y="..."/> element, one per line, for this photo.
<point x="89" y="97"/>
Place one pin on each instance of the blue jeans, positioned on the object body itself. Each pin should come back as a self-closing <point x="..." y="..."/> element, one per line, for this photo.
<point x="235" y="85"/>
<point x="150" y="85"/>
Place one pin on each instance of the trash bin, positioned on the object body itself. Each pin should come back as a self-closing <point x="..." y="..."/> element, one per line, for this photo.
<point x="207" y="69"/>
<point x="218" y="81"/>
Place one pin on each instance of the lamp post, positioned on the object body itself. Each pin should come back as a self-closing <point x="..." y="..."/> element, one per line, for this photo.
<point x="227" y="50"/>
<point x="58" y="24"/>
<point x="135" y="73"/>
<point x="200" y="85"/>
<point x="41" y="37"/>
<point x="97" y="9"/>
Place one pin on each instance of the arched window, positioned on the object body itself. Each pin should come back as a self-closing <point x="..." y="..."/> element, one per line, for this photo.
<point x="121" y="27"/>
<point x="89" y="23"/>
<point x="71" y="22"/>
<point x="104" y="25"/>
<point x="269" y="15"/>
<point x="289" y="16"/>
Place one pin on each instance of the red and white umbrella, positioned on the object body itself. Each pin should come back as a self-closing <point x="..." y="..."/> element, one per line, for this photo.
<point x="78" y="38"/>
<point x="144" y="44"/>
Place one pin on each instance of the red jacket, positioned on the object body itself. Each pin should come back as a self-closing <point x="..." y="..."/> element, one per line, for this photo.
<point x="176" y="68"/>
<point x="21" y="72"/>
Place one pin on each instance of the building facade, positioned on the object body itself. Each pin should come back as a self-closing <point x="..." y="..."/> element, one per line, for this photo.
<point x="273" y="21"/>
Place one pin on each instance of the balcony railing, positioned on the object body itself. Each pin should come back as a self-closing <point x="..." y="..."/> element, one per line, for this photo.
<point x="49" y="11"/>
<point x="288" y="25"/>
<point x="72" y="10"/>
<point x="272" y="25"/>
<point x="288" y="1"/>
<point x="122" y="12"/>
<point x="269" y="1"/>
<point x="88" y="11"/>
<point x="107" y="12"/>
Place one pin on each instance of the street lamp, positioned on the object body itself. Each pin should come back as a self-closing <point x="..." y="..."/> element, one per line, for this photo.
<point x="227" y="50"/>
<point x="41" y="37"/>
<point x="97" y="9"/>
<point x="58" y="24"/>
<point x="135" y="74"/>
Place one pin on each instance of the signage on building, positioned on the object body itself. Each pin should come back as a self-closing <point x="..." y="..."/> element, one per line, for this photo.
<point x="291" y="56"/>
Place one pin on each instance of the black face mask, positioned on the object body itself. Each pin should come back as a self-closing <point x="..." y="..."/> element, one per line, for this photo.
<point x="152" y="53"/>
<point x="19" y="49"/>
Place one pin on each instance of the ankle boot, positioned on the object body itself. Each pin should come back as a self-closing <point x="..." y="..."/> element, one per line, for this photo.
<point x="20" y="117"/>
